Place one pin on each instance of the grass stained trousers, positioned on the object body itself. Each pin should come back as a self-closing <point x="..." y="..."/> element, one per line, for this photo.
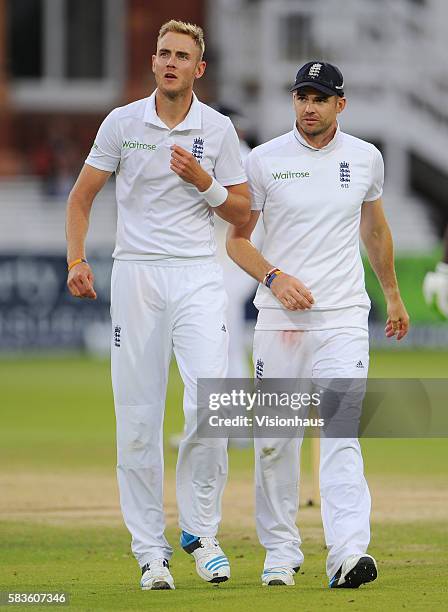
<point x="345" y="499"/>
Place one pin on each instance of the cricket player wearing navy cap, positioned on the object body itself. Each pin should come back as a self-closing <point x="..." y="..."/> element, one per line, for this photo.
<point x="318" y="190"/>
<point x="177" y="162"/>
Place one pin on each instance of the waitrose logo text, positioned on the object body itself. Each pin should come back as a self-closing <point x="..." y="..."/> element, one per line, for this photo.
<point x="134" y="144"/>
<point x="281" y="176"/>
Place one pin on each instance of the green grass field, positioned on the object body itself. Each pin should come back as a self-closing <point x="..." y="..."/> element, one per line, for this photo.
<point x="60" y="527"/>
<point x="94" y="565"/>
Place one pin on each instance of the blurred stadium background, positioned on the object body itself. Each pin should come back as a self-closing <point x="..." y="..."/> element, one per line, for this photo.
<point x="64" y="64"/>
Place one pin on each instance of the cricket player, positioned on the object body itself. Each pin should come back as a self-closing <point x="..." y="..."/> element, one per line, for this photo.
<point x="435" y="284"/>
<point x="318" y="190"/>
<point x="177" y="162"/>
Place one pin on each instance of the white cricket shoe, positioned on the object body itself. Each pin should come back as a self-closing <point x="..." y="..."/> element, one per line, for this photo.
<point x="211" y="563"/>
<point x="279" y="576"/>
<point x="156" y="576"/>
<point x="356" y="570"/>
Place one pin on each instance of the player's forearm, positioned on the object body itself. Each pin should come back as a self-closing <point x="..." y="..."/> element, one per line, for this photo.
<point x="380" y="250"/>
<point x="246" y="256"/>
<point x="235" y="210"/>
<point x="77" y="225"/>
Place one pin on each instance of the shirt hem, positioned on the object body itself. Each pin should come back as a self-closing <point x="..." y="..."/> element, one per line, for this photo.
<point x="232" y="181"/>
<point x="259" y="306"/>
<point x="100" y="166"/>
<point x="168" y="261"/>
<point x="375" y="198"/>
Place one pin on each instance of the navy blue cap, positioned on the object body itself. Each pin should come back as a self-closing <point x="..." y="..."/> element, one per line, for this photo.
<point x="321" y="76"/>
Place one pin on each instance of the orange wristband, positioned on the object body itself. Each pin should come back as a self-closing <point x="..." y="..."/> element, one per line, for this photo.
<point x="75" y="263"/>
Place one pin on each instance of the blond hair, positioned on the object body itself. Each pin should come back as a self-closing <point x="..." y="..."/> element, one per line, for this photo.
<point x="181" y="27"/>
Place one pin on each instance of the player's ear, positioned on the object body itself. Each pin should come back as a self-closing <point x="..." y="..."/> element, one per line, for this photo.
<point x="153" y="63"/>
<point x="340" y="104"/>
<point x="200" y="69"/>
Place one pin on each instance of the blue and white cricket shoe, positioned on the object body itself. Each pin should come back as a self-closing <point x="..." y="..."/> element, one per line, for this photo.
<point x="156" y="576"/>
<point x="279" y="576"/>
<point x="211" y="563"/>
<point x="356" y="570"/>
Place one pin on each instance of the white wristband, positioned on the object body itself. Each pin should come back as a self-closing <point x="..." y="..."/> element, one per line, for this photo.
<point x="215" y="195"/>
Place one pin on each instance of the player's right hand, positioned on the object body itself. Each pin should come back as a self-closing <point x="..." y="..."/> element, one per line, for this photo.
<point x="80" y="281"/>
<point x="291" y="293"/>
<point x="435" y="289"/>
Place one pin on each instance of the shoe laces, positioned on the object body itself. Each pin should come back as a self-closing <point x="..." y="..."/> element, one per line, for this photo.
<point x="158" y="565"/>
<point x="209" y="542"/>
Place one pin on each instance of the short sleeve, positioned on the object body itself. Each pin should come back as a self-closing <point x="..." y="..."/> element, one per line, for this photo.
<point x="255" y="179"/>
<point x="375" y="190"/>
<point x="228" y="166"/>
<point x="105" y="153"/>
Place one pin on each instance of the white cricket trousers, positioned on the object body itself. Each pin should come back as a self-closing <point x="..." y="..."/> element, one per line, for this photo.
<point x="345" y="497"/>
<point x="156" y="309"/>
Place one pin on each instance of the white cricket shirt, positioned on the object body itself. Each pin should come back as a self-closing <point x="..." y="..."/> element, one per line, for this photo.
<point x="311" y="203"/>
<point x="160" y="216"/>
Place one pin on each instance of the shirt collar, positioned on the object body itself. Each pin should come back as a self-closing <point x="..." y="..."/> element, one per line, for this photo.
<point x="193" y="120"/>
<point x="331" y="145"/>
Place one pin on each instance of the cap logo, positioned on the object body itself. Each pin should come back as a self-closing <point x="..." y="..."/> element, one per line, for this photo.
<point x="314" y="71"/>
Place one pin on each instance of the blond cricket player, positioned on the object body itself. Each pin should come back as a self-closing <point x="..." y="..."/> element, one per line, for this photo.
<point x="177" y="163"/>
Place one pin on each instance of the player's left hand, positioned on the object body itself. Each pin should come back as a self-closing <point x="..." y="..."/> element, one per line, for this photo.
<point x="185" y="165"/>
<point x="397" y="323"/>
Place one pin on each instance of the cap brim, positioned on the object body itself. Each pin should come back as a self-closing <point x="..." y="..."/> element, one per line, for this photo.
<point x="318" y="86"/>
